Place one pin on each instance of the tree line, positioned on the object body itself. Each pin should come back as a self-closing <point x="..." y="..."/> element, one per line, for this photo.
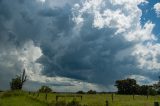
<point x="130" y="86"/>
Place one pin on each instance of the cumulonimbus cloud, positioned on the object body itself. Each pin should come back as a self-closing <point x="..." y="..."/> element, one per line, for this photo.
<point x="88" y="42"/>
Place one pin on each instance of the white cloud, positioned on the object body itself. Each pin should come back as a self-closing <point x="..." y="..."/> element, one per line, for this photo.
<point x="142" y="79"/>
<point x="112" y="19"/>
<point x="107" y="14"/>
<point x="42" y="1"/>
<point x="141" y="34"/>
<point x="157" y="9"/>
<point x="147" y="56"/>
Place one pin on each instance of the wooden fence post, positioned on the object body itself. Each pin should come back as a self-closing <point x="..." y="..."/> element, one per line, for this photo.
<point x="112" y="97"/>
<point x="38" y="95"/>
<point x="46" y="96"/>
<point x="156" y="104"/>
<point x="56" y="98"/>
<point x="81" y="98"/>
<point x="107" y="104"/>
<point x="133" y="96"/>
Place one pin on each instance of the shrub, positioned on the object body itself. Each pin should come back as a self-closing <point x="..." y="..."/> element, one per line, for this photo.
<point x="91" y="92"/>
<point x="17" y="83"/>
<point x="80" y="92"/>
<point x="45" y="89"/>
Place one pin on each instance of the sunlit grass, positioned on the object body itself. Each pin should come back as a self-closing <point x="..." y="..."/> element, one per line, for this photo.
<point x="19" y="98"/>
<point x="20" y="101"/>
<point x="100" y="99"/>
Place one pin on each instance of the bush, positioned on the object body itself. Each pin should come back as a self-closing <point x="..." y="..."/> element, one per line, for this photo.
<point x="17" y="83"/>
<point x="80" y="92"/>
<point x="91" y="92"/>
<point x="45" y="89"/>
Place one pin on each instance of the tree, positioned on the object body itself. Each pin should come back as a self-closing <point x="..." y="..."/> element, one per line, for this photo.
<point x="45" y="89"/>
<point x="127" y="86"/>
<point x="80" y="92"/>
<point x="148" y="90"/>
<point x="91" y="92"/>
<point x="144" y="90"/>
<point x="18" y="82"/>
<point x="157" y="86"/>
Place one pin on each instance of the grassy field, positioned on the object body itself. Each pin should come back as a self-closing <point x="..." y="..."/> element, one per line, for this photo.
<point x="18" y="99"/>
<point x="26" y="99"/>
<point x="100" y="99"/>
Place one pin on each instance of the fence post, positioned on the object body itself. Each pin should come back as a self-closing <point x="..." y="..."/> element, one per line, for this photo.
<point x="46" y="96"/>
<point x="56" y="98"/>
<point x="133" y="96"/>
<point x="38" y="95"/>
<point x="107" y="104"/>
<point x="156" y="104"/>
<point x="112" y="97"/>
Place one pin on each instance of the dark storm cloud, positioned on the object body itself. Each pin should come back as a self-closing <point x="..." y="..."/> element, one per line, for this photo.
<point x="86" y="55"/>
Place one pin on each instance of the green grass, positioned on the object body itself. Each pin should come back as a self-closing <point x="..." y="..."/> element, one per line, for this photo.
<point x="1" y="94"/>
<point x="100" y="99"/>
<point x="20" y="101"/>
<point x="19" y="98"/>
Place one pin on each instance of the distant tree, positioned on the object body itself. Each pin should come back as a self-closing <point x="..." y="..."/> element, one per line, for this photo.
<point x="127" y="86"/>
<point x="152" y="91"/>
<point x="45" y="89"/>
<point x="91" y="92"/>
<point x="18" y="82"/>
<point x="144" y="89"/>
<point x="103" y="92"/>
<point x="80" y="92"/>
<point x="157" y="86"/>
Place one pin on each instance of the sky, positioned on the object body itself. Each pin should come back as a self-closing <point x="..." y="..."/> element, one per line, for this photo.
<point x="73" y="45"/>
